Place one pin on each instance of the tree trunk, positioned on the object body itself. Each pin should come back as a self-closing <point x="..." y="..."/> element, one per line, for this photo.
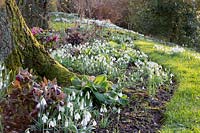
<point x="27" y="52"/>
<point x="35" y="12"/>
<point x="6" y="44"/>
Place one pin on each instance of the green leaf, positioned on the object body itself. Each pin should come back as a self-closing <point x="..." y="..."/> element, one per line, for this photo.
<point x="76" y="81"/>
<point x="100" y="78"/>
<point x="73" y="129"/>
<point x="101" y="97"/>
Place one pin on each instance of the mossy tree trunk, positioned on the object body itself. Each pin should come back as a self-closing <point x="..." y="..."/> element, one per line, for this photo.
<point x="27" y="52"/>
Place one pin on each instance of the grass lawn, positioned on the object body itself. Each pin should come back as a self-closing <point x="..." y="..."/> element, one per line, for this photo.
<point x="183" y="111"/>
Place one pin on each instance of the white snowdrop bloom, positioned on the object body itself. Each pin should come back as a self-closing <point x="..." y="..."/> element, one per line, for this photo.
<point x="171" y="75"/>
<point x="43" y="102"/>
<point x="69" y="105"/>
<point x="52" y="123"/>
<point x="103" y="109"/>
<point x="116" y="98"/>
<point x="120" y="94"/>
<point x="88" y="95"/>
<point x="87" y="116"/>
<point x="47" y="132"/>
<point x="81" y="93"/>
<point x="91" y="103"/>
<point x="66" y="123"/>
<point x="44" y="118"/>
<point x="84" y="122"/>
<point x="82" y="104"/>
<point x="143" y="87"/>
<point x="59" y="117"/>
<point x="77" y="116"/>
<point x="177" y="49"/>
<point x="119" y="110"/>
<point x="61" y="109"/>
<point x="73" y="95"/>
<point x="114" y="108"/>
<point x="27" y="130"/>
<point x="94" y="123"/>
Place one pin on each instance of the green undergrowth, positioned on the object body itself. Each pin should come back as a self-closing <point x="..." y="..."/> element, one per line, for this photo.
<point x="183" y="111"/>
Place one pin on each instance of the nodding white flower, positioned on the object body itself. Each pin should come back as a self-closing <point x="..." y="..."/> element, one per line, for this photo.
<point x="61" y="109"/>
<point x="73" y="95"/>
<point x="43" y="102"/>
<point x="91" y="103"/>
<point x="69" y="105"/>
<point x="59" y="117"/>
<point x="171" y="75"/>
<point x="44" y="118"/>
<point x="77" y="116"/>
<point x="119" y="110"/>
<point x="47" y="132"/>
<point x="82" y="104"/>
<point x="103" y="109"/>
<point x="87" y="116"/>
<point x="143" y="87"/>
<point x="94" y="123"/>
<point x="88" y="95"/>
<point x="84" y="122"/>
<point x="27" y="130"/>
<point x="116" y="98"/>
<point x="120" y="94"/>
<point x="177" y="49"/>
<point x="66" y="123"/>
<point x="52" y="123"/>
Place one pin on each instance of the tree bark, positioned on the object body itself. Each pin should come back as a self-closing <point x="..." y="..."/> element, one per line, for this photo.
<point x="35" y="12"/>
<point x="27" y="52"/>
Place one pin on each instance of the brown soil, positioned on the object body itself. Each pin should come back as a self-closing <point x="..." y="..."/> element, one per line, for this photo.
<point x="143" y="114"/>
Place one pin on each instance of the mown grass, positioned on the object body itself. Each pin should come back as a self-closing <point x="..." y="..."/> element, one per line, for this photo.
<point x="60" y="25"/>
<point x="183" y="111"/>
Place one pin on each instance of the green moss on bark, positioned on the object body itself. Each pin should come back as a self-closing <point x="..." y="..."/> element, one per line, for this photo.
<point x="29" y="53"/>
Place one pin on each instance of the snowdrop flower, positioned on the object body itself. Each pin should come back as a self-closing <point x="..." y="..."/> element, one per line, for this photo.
<point x="88" y="95"/>
<point x="52" y="123"/>
<point x="87" y="116"/>
<point x="120" y="94"/>
<point x="84" y="122"/>
<point x="82" y="104"/>
<point x="119" y="110"/>
<point x="69" y="105"/>
<point x="59" y="117"/>
<point x="177" y="49"/>
<point x="94" y="123"/>
<point x="77" y="116"/>
<point x="44" y="118"/>
<point x="27" y="130"/>
<point x="103" y="109"/>
<point x="116" y="98"/>
<point x="43" y="102"/>
<point x="91" y="103"/>
<point x="61" y="109"/>
<point x="73" y="95"/>
<point x="66" y="123"/>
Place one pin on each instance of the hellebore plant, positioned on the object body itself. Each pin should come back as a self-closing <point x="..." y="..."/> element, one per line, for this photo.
<point x="47" y="38"/>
